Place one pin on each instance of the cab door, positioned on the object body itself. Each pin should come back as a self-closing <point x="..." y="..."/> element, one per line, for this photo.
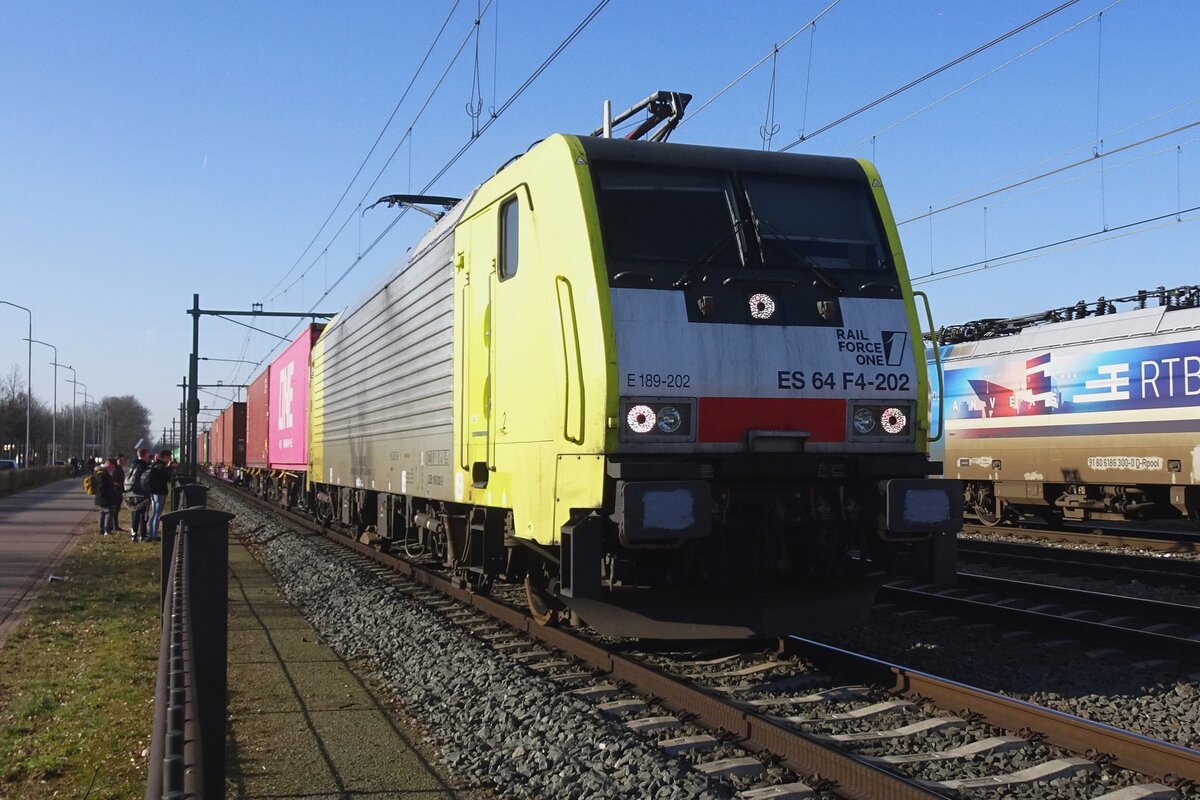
<point x="493" y="259"/>
<point x="476" y="344"/>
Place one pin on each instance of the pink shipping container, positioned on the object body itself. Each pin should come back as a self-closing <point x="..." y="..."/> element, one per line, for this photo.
<point x="288" y="418"/>
<point x="227" y="444"/>
<point x="258" y="404"/>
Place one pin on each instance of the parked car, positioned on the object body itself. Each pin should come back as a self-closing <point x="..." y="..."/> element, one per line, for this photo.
<point x="7" y="464"/>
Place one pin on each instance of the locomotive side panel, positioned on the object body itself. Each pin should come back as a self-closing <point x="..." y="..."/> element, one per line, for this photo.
<point x="382" y="382"/>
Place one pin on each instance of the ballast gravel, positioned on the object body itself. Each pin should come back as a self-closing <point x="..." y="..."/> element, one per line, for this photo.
<point x="498" y="727"/>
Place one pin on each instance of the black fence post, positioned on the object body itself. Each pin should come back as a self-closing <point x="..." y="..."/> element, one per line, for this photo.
<point x="207" y="532"/>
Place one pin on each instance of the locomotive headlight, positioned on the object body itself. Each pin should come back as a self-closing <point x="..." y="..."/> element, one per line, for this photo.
<point x="658" y="420"/>
<point x="641" y="419"/>
<point x="864" y="421"/>
<point x="892" y="420"/>
<point x="762" y="306"/>
<point x="669" y="419"/>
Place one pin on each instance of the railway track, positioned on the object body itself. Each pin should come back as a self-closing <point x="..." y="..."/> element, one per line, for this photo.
<point x="805" y="720"/>
<point x="1142" y="627"/>
<point x="1101" y="564"/>
<point x="1180" y="539"/>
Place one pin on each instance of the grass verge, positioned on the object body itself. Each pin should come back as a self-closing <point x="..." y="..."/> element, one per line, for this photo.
<point x="77" y="677"/>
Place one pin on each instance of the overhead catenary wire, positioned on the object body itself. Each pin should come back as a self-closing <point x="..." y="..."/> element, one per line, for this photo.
<point x="512" y="98"/>
<point x="1097" y="157"/>
<point x="999" y="261"/>
<point x="984" y="76"/>
<point x="916" y="82"/>
<point x="695" y="112"/>
<point x="1086" y="147"/>
<point x="420" y="113"/>
<point x="1078" y="177"/>
<point x="375" y="144"/>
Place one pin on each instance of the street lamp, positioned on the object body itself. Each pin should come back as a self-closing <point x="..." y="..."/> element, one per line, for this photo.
<point x="83" y="435"/>
<point x="86" y="398"/>
<point x="54" y="413"/>
<point x="72" y="381"/>
<point x="28" y="376"/>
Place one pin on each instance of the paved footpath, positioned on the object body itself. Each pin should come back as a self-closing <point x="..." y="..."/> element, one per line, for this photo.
<point x="302" y="724"/>
<point x="38" y="527"/>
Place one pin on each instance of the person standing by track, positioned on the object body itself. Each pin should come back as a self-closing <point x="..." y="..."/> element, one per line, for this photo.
<point x="116" y="468"/>
<point x="158" y="481"/>
<point x="137" y="496"/>
<point x="105" y="497"/>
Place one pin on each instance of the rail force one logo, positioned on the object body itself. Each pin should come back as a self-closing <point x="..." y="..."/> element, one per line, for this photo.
<point x="886" y="350"/>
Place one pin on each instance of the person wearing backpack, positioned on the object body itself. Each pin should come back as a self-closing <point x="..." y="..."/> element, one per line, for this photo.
<point x="137" y="496"/>
<point x="106" y="497"/>
<point x="158" y="481"/>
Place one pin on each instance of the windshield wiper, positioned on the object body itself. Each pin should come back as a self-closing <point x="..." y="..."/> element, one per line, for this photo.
<point x="822" y="275"/>
<point x="709" y="256"/>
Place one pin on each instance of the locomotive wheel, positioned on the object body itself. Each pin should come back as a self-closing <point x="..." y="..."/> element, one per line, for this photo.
<point x="993" y="516"/>
<point x="542" y="607"/>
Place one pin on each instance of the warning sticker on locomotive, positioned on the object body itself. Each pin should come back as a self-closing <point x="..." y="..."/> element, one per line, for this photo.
<point x="1136" y="463"/>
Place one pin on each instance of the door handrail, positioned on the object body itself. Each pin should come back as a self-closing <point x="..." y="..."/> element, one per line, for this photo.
<point x="937" y="359"/>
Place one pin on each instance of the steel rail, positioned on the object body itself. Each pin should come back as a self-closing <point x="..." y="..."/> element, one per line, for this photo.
<point x="1130" y="750"/>
<point x="1160" y="644"/>
<point x="1143" y="608"/>
<point x="1089" y="562"/>
<point x="1148" y="539"/>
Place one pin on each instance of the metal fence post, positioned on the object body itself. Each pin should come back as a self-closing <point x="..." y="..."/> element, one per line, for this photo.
<point x="207" y="577"/>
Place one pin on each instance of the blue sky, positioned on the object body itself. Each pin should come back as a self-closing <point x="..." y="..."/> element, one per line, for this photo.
<point x="149" y="151"/>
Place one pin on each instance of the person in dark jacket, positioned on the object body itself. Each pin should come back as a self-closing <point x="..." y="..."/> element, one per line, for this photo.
<point x="106" y="498"/>
<point x="136" y="496"/>
<point x="158" y="481"/>
<point x="116" y="468"/>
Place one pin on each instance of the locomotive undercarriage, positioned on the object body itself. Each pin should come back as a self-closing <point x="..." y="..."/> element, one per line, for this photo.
<point x="997" y="503"/>
<point x="764" y="557"/>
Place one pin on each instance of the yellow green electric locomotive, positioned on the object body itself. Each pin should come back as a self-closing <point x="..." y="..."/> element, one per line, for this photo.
<point x="678" y="391"/>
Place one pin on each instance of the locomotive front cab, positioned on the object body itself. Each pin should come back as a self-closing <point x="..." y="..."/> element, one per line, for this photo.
<point x="766" y="442"/>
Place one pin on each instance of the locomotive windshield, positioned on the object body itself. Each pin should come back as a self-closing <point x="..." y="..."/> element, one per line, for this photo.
<point x="657" y="222"/>
<point x="829" y="224"/>
<point x="664" y="227"/>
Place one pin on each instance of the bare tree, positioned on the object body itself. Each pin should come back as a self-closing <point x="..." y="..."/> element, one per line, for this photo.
<point x="12" y="414"/>
<point x="130" y="422"/>
<point x="12" y="387"/>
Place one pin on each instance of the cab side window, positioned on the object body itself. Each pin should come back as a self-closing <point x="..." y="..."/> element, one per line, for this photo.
<point x="509" y="238"/>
